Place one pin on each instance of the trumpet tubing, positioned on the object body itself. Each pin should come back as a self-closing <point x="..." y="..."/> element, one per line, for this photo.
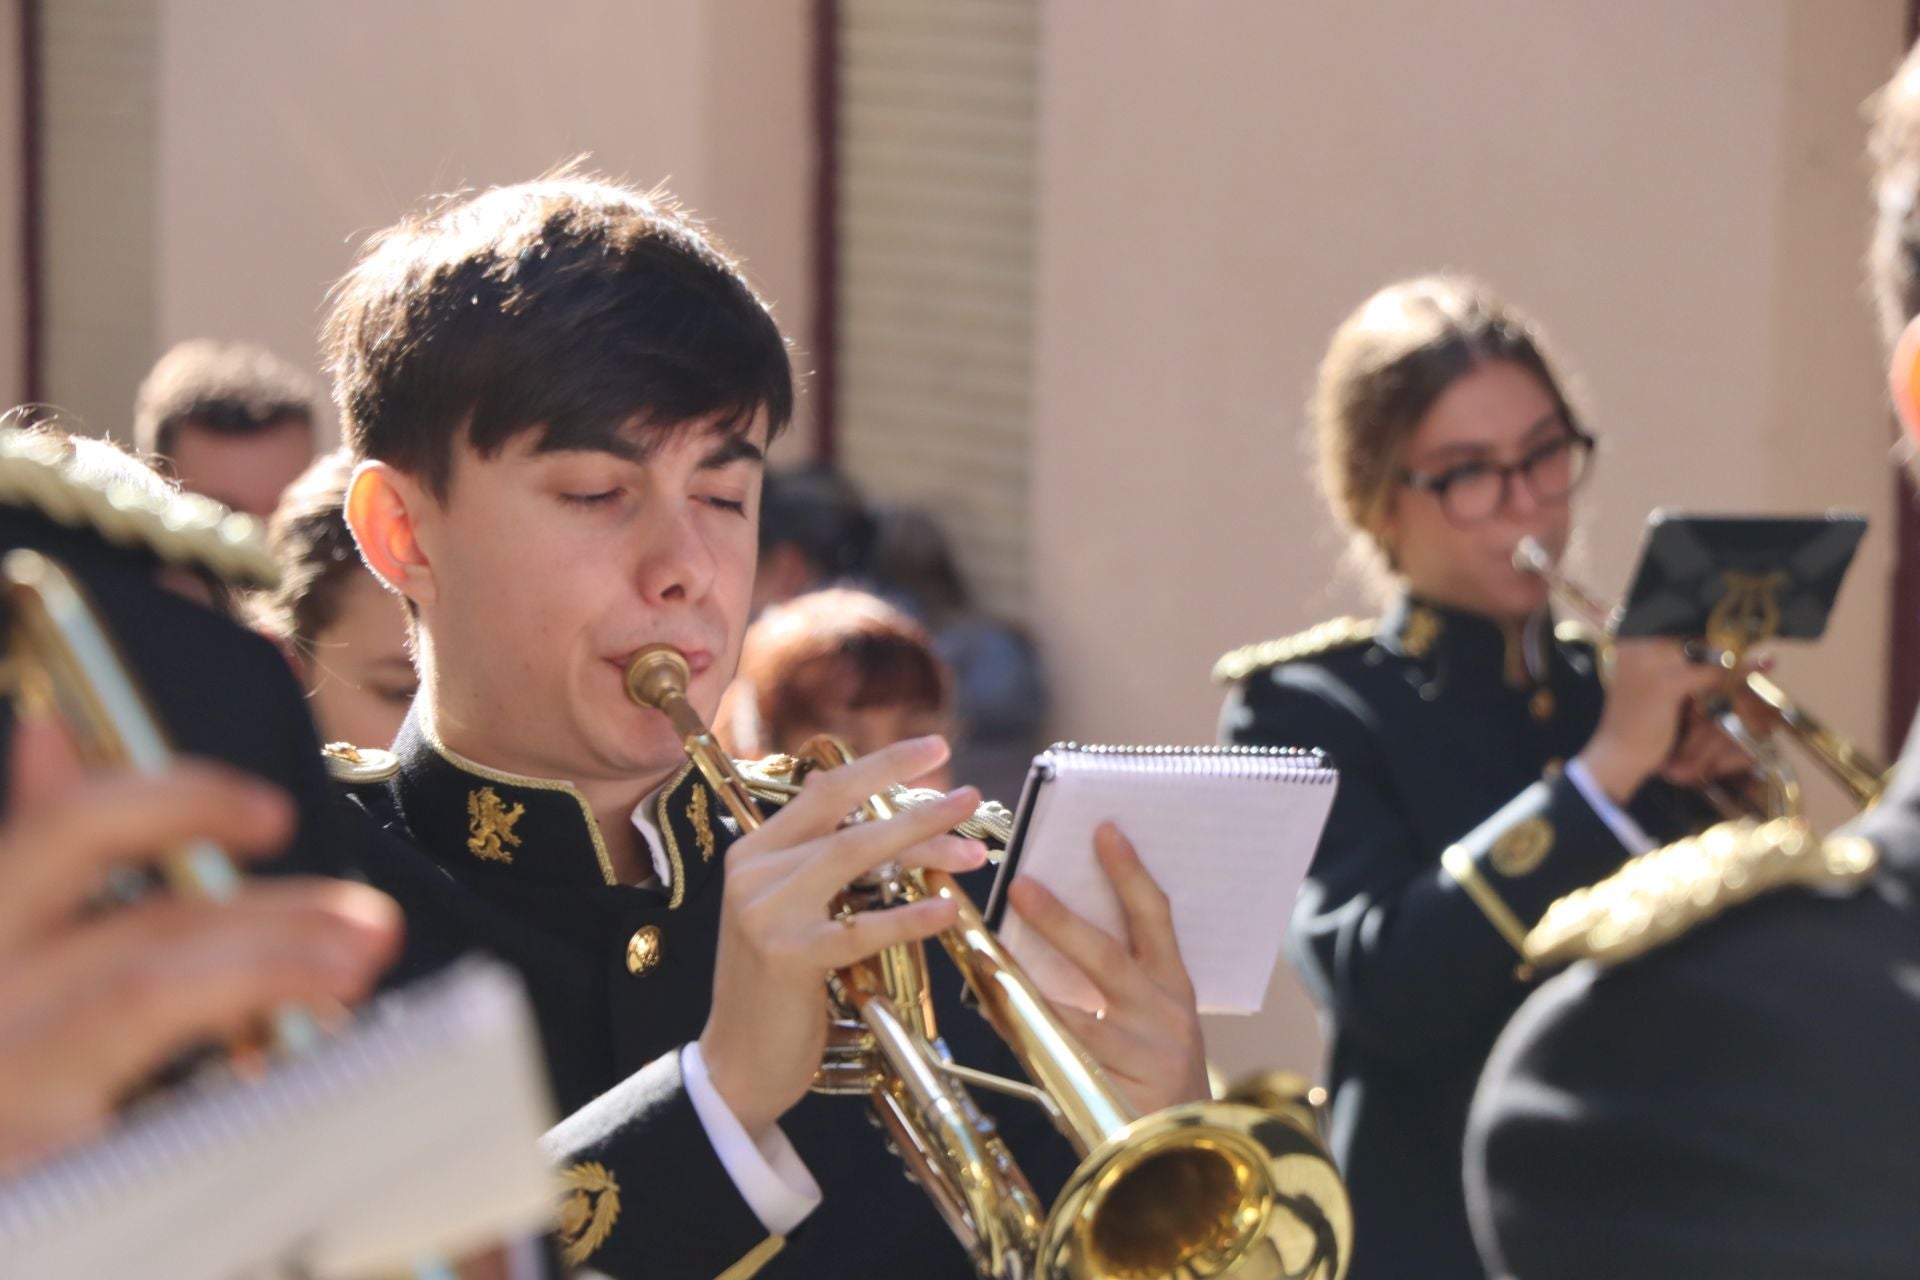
<point x="1214" y="1189"/>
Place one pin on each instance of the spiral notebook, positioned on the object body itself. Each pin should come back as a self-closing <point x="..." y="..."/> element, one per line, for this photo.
<point x="1228" y="833"/>
<point x="413" y="1133"/>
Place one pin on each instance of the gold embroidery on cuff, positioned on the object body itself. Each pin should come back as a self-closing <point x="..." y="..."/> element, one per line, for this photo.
<point x="587" y="1216"/>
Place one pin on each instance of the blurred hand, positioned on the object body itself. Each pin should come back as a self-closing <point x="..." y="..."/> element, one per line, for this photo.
<point x="778" y="940"/>
<point x="1653" y="683"/>
<point x="92" y="1005"/>
<point x="1147" y="1037"/>
<point x="1706" y="752"/>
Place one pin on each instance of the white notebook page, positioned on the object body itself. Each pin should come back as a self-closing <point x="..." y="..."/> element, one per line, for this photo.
<point x="414" y="1132"/>
<point x="1227" y="833"/>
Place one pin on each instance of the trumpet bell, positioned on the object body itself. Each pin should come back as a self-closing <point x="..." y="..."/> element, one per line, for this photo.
<point x="1198" y="1190"/>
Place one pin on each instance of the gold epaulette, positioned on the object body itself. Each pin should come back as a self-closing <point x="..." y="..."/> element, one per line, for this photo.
<point x="1339" y="633"/>
<point x="356" y="765"/>
<point x="1662" y="895"/>
<point x="180" y="528"/>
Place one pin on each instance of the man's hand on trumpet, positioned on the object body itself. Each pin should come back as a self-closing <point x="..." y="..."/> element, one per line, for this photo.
<point x="767" y="1029"/>
<point x="1148" y="1035"/>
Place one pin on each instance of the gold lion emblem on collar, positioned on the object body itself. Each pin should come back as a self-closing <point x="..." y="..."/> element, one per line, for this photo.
<point x="490" y="826"/>
<point x="588" y="1214"/>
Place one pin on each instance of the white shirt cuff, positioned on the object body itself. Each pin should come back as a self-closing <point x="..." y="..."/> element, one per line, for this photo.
<point x="1618" y="820"/>
<point x="768" y="1173"/>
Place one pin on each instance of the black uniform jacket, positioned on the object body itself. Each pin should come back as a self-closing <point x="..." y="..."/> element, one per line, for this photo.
<point x="1452" y="831"/>
<point x="1741" y="1101"/>
<point x="621" y="978"/>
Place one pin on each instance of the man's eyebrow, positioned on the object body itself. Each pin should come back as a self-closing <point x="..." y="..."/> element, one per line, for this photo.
<point x="731" y="450"/>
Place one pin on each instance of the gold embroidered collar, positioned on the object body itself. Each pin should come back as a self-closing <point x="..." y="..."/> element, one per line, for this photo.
<point x="477" y="820"/>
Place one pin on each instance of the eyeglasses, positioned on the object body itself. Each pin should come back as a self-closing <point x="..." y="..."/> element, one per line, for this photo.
<point x="1475" y="492"/>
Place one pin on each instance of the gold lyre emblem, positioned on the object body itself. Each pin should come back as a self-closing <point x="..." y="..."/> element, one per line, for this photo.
<point x="1749" y="613"/>
<point x="490" y="826"/>
<point x="702" y="825"/>
<point x="587" y="1215"/>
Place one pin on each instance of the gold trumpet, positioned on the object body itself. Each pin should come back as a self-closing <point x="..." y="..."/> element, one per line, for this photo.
<point x="1864" y="777"/>
<point x="1203" y="1189"/>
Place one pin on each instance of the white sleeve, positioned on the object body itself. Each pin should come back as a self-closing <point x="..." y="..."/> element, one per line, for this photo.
<point x="768" y="1173"/>
<point x="1618" y="820"/>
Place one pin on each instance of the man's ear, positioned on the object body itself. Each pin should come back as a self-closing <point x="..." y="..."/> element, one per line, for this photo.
<point x="1903" y="379"/>
<point x="383" y="510"/>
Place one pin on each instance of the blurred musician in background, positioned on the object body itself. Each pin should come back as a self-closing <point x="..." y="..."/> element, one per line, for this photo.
<point x="1482" y="771"/>
<point x="229" y="420"/>
<point x="1728" y="1089"/>
<point x="840" y="662"/>
<point x="344" y="632"/>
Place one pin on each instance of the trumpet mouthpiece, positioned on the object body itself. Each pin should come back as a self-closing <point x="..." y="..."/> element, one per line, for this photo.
<point x="656" y="673"/>
<point x="1531" y="557"/>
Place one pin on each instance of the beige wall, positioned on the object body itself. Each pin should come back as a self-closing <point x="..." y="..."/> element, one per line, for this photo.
<point x="13" y="379"/>
<point x="288" y="131"/>
<point x="1674" y="190"/>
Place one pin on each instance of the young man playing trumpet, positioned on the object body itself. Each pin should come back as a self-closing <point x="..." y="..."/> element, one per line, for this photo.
<point x="561" y="394"/>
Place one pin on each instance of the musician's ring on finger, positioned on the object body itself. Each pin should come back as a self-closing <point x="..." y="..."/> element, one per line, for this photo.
<point x="848" y="920"/>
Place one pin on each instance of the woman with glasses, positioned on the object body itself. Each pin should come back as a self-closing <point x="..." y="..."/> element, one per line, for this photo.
<point x="1484" y="771"/>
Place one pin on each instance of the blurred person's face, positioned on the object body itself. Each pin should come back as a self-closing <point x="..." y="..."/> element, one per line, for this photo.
<point x="359" y="677"/>
<point x="542" y="574"/>
<point x="245" y="472"/>
<point x="1495" y="414"/>
<point x="785" y="571"/>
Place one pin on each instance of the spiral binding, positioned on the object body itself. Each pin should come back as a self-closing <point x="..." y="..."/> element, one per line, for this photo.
<point x="1298" y="764"/>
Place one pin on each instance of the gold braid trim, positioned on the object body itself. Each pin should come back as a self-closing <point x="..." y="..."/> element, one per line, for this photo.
<point x="1459" y="864"/>
<point x="183" y="529"/>
<point x="1339" y="633"/>
<point x="756" y="1258"/>
<point x="1662" y="895"/>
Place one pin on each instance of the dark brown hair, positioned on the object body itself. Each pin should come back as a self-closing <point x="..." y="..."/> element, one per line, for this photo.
<point x="309" y="538"/>
<point x="231" y="388"/>
<point x="570" y="304"/>
<point x="835" y="650"/>
<point x="1388" y="363"/>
